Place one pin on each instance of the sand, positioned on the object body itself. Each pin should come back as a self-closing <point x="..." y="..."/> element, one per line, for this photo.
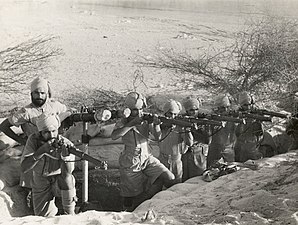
<point x="101" y="44"/>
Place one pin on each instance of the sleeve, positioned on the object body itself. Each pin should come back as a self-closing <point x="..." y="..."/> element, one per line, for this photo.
<point x="61" y="107"/>
<point x="19" y="118"/>
<point x="71" y="157"/>
<point x="119" y="124"/>
<point x="30" y="147"/>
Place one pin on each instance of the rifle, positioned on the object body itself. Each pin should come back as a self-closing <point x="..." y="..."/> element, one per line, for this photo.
<point x="94" y="116"/>
<point x="98" y="163"/>
<point x="183" y="121"/>
<point x="269" y="113"/>
<point x="247" y="114"/>
<point x="219" y="117"/>
<point x="77" y="152"/>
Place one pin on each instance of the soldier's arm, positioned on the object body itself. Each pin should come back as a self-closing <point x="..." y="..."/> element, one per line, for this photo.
<point x="5" y="127"/>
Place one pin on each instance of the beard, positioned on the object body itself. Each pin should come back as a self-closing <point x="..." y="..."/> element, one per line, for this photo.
<point x="38" y="101"/>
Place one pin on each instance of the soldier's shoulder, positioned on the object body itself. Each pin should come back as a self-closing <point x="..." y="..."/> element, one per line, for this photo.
<point x="55" y="102"/>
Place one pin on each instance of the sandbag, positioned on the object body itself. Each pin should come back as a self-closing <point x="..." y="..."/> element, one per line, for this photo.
<point x="6" y="142"/>
<point x="10" y="171"/>
<point x="11" y="153"/>
<point x="74" y="133"/>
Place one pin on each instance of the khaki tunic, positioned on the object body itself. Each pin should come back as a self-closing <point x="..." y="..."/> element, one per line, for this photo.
<point x="26" y="118"/>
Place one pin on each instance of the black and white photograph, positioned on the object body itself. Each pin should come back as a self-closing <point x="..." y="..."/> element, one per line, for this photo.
<point x="165" y="112"/>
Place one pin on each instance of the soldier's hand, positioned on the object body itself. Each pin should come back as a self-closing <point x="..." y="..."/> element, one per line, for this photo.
<point x="46" y="146"/>
<point x="135" y="121"/>
<point x="64" y="150"/>
<point x="156" y="120"/>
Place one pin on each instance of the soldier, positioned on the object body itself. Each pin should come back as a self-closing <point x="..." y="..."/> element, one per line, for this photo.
<point x="46" y="154"/>
<point x="173" y="140"/>
<point x="223" y="140"/>
<point x="194" y="158"/>
<point x="248" y="135"/>
<point x="137" y="164"/>
<point x="26" y="117"/>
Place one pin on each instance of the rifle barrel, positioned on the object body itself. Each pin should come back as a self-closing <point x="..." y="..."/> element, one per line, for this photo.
<point x="177" y="122"/>
<point x="257" y="117"/>
<point x="84" y="156"/>
<point x="227" y="118"/>
<point x="270" y="113"/>
<point x="204" y="121"/>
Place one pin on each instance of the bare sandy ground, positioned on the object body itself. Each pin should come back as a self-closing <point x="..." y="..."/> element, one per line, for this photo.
<point x="267" y="195"/>
<point x="101" y="43"/>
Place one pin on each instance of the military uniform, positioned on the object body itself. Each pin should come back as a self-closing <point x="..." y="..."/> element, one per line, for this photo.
<point x="136" y="161"/>
<point x="26" y="118"/>
<point x="46" y="173"/>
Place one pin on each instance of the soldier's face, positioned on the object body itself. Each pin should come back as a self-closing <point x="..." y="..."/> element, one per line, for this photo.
<point x="222" y="109"/>
<point x="39" y="97"/>
<point x="246" y="106"/>
<point x="171" y="115"/>
<point x="49" y="134"/>
<point x="192" y="112"/>
<point x="136" y="113"/>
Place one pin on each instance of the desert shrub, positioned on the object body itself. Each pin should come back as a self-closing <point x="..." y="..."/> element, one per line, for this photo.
<point x="19" y="64"/>
<point x="92" y="98"/>
<point x="262" y="59"/>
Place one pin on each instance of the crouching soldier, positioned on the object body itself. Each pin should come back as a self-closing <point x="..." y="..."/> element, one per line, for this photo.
<point x="46" y="154"/>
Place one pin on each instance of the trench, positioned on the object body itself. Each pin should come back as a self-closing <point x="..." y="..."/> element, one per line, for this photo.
<point x="103" y="190"/>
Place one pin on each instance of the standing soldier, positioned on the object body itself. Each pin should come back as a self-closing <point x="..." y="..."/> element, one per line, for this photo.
<point x="173" y="140"/>
<point x="194" y="159"/>
<point x="223" y="140"/>
<point x="46" y="155"/>
<point x="26" y="117"/>
<point x="137" y="164"/>
<point x="248" y="135"/>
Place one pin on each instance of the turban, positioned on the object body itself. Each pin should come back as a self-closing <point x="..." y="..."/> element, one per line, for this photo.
<point x="172" y="106"/>
<point x="245" y="98"/>
<point x="134" y="100"/>
<point x="40" y="83"/>
<point x="191" y="103"/>
<point x="48" y="122"/>
<point x="223" y="101"/>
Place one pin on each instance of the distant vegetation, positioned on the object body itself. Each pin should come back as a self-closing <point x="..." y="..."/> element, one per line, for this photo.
<point x="19" y="64"/>
<point x="262" y="59"/>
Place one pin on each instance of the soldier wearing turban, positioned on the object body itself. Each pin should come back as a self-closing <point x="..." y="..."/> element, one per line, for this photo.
<point x="51" y="170"/>
<point x="136" y="160"/>
<point x="223" y="139"/>
<point x="249" y="136"/>
<point x="26" y="117"/>
<point x="173" y="140"/>
<point x="194" y="158"/>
